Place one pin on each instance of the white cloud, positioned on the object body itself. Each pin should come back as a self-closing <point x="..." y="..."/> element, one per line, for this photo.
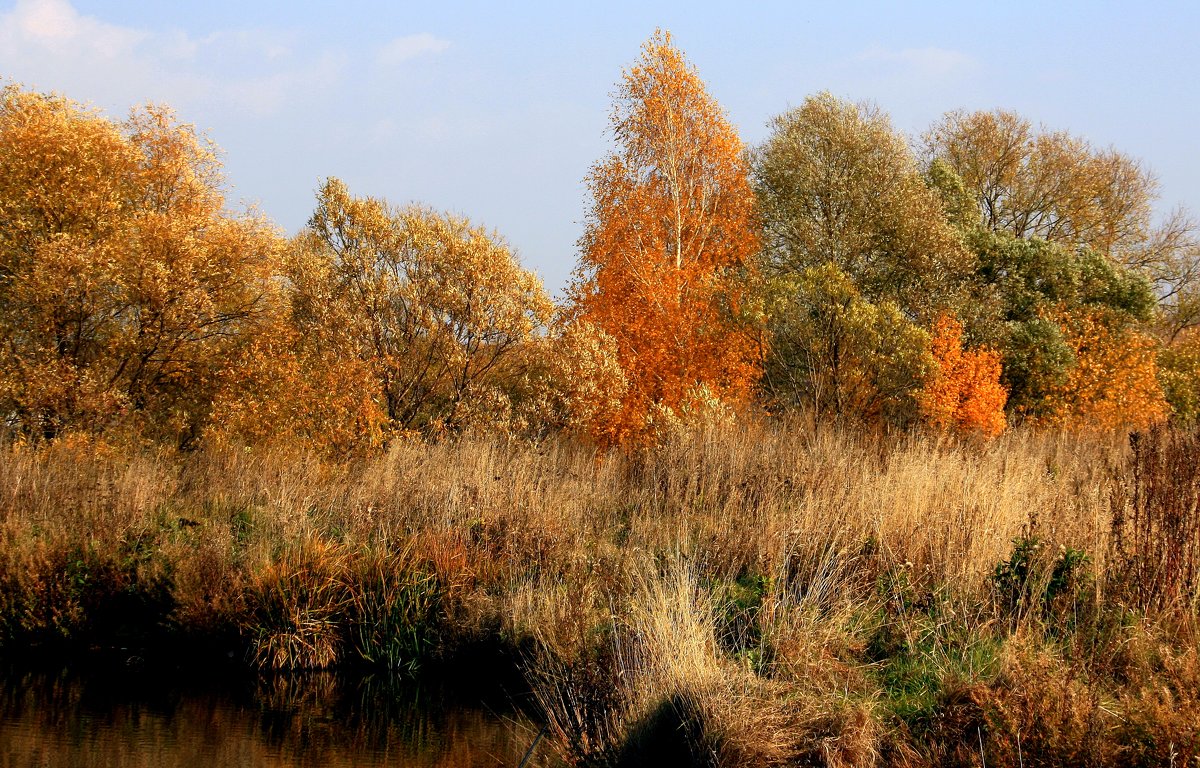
<point x="49" y="45"/>
<point x="56" y="26"/>
<point x="401" y="49"/>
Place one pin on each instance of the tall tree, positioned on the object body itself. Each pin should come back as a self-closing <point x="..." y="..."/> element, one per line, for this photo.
<point x="1048" y="184"/>
<point x="837" y="185"/>
<point x="668" y="239"/>
<point x="858" y="258"/>
<point x="1035" y="183"/>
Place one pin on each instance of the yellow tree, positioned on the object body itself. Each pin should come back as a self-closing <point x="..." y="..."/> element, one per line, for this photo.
<point x="124" y="283"/>
<point x="667" y="244"/>
<point x="434" y="306"/>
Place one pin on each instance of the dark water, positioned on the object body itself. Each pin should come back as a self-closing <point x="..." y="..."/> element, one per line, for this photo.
<point x="145" y="718"/>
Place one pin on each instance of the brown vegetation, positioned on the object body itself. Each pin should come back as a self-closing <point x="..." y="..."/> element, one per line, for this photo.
<point x="745" y="594"/>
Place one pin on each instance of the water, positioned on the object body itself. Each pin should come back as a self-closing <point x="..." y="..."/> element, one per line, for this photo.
<point x="143" y="718"/>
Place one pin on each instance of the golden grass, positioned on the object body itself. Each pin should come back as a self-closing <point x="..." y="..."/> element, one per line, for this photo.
<point x="781" y="592"/>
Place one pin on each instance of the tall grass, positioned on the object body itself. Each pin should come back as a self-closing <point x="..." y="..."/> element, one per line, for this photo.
<point x="744" y="594"/>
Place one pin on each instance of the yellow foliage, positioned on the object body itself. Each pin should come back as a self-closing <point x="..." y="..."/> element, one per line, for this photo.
<point x="126" y="284"/>
<point x="430" y="305"/>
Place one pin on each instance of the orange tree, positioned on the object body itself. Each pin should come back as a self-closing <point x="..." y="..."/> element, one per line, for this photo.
<point x="667" y="245"/>
<point x="1114" y="382"/>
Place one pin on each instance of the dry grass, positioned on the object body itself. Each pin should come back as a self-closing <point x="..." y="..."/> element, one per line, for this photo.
<point x="776" y="593"/>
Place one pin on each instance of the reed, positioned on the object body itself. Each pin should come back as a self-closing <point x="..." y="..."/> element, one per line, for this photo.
<point x="742" y="593"/>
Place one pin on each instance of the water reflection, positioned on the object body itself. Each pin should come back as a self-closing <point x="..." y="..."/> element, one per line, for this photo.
<point x="138" y="718"/>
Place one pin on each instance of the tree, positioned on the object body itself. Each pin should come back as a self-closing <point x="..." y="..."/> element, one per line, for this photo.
<point x="1114" y="381"/>
<point x="667" y="243"/>
<point x="1023" y="288"/>
<point x="124" y="284"/>
<point x="433" y="305"/>
<point x="279" y="387"/>
<point x="1038" y="183"/>
<point x="836" y="352"/>
<point x="963" y="392"/>
<point x="1035" y="183"/>
<point x="837" y="185"/>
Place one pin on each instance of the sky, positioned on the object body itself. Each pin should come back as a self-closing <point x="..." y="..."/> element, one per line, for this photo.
<point x="497" y="111"/>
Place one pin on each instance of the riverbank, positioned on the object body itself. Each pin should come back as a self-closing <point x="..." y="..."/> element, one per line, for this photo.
<point x="747" y="595"/>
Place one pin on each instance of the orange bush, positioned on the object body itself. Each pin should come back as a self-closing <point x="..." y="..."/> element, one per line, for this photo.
<point x="963" y="393"/>
<point x="1114" y="382"/>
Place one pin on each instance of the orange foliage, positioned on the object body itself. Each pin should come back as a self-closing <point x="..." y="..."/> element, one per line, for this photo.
<point x="670" y="229"/>
<point x="964" y="392"/>
<point x="1114" y="382"/>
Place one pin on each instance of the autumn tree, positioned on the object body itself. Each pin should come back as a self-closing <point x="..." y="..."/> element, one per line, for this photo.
<point x="1022" y="290"/>
<point x="858" y="255"/>
<point x="579" y="385"/>
<point x="668" y="239"/>
<point x="282" y="386"/>
<point x="1032" y="182"/>
<point x="838" y="353"/>
<point x="432" y="305"/>
<point x="124" y="283"/>
<point x="963" y="392"/>
<point x="1035" y="183"/>
<point x="837" y="185"/>
<point x="1114" y="381"/>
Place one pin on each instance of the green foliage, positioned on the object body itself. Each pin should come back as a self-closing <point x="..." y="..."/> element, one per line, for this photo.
<point x="1021" y="284"/>
<point x="394" y="613"/>
<point x="1179" y="375"/>
<point x="838" y="352"/>
<point x="836" y="184"/>
<point x="1031" y="275"/>
<point x="1030" y="581"/>
<point x="738" y="603"/>
<point x="1036" y="359"/>
<point x="957" y="201"/>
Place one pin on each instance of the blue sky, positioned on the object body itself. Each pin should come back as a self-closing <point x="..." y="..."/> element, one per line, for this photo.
<point x="498" y="111"/>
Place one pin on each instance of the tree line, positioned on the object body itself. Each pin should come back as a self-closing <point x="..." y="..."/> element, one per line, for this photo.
<point x="990" y="272"/>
